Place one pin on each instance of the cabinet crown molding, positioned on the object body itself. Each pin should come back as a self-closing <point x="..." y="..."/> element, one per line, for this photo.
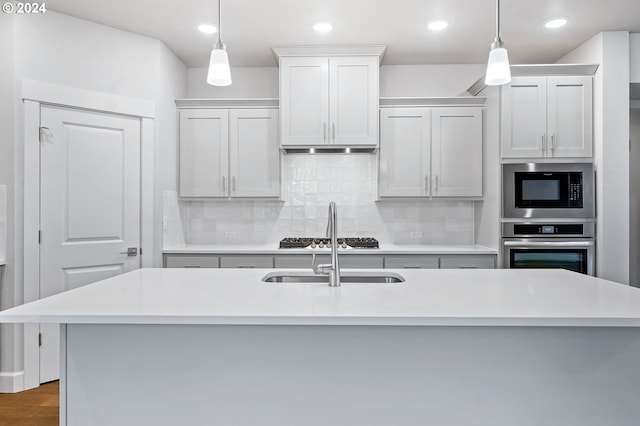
<point x="345" y="50"/>
<point x="432" y="101"/>
<point x="227" y="103"/>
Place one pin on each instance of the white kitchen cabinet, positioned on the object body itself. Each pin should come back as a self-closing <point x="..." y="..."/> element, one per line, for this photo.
<point x="407" y="261"/>
<point x="246" y="261"/>
<point x="435" y="152"/>
<point x="229" y="153"/>
<point x="468" y="262"/>
<point x="547" y="117"/>
<point x="303" y="261"/>
<point x="327" y="101"/>
<point x="191" y="261"/>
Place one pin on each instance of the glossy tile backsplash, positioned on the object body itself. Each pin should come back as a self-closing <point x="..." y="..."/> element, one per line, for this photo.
<point x="310" y="182"/>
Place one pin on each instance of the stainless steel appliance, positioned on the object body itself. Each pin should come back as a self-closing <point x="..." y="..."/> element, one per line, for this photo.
<point x="321" y="242"/>
<point x="548" y="190"/>
<point x="550" y="244"/>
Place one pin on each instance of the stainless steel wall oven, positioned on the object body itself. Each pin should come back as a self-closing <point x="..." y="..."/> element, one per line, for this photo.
<point x="566" y="245"/>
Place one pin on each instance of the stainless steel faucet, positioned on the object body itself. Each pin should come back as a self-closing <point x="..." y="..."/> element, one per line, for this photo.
<point x="331" y="269"/>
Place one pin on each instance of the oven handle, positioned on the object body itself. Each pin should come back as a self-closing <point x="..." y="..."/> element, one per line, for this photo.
<point x="548" y="243"/>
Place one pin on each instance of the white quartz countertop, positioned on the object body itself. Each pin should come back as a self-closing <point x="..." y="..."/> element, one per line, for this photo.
<point x="450" y="297"/>
<point x="274" y="250"/>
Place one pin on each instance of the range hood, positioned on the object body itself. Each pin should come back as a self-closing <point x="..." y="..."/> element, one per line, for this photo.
<point x="329" y="150"/>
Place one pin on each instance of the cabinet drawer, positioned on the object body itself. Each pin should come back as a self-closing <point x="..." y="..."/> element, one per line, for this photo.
<point x="303" y="261"/>
<point x="468" y="262"/>
<point x="191" y="261"/>
<point x="246" y="261"/>
<point x="411" y="262"/>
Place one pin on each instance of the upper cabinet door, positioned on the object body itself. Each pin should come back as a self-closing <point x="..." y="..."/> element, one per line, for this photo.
<point x="254" y="153"/>
<point x="570" y="115"/>
<point x="456" y="150"/>
<point x="524" y="118"/>
<point x="353" y="100"/>
<point x="304" y="101"/>
<point x="203" y="153"/>
<point x="405" y="155"/>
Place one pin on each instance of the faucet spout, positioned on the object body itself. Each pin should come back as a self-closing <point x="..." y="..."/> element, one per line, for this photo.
<point x="331" y="269"/>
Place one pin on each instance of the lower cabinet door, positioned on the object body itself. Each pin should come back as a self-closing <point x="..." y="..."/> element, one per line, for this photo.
<point x="242" y="261"/>
<point x="411" y="262"/>
<point x="468" y="262"/>
<point x="191" y="261"/>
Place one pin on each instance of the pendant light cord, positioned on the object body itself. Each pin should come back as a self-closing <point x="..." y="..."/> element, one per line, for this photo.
<point x="220" y="21"/>
<point x="498" y="20"/>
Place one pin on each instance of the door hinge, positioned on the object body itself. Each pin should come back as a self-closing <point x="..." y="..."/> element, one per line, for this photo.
<point x="39" y="237"/>
<point x="42" y="133"/>
<point x="39" y="339"/>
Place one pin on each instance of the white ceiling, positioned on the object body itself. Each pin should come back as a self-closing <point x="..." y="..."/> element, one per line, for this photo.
<point x="251" y="27"/>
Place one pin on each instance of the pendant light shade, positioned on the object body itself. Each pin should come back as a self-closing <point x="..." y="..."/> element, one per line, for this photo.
<point x="219" y="72"/>
<point x="498" y="68"/>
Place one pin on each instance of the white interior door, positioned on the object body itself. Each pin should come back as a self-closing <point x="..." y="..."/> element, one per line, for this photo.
<point x="89" y="206"/>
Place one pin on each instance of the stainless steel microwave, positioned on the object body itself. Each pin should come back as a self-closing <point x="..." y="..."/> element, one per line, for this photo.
<point x="548" y="190"/>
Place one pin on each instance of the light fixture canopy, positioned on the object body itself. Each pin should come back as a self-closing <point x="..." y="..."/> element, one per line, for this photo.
<point x="219" y="71"/>
<point x="498" y="68"/>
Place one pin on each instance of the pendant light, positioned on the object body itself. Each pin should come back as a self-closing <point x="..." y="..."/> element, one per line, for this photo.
<point x="498" y="70"/>
<point x="219" y="72"/>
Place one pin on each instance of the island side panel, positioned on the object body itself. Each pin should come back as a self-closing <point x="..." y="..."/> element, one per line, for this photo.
<point x="351" y="375"/>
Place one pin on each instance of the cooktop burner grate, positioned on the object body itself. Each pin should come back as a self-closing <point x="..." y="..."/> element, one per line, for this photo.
<point x="317" y="242"/>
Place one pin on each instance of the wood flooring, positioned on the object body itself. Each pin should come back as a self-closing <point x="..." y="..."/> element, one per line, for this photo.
<point x="36" y="407"/>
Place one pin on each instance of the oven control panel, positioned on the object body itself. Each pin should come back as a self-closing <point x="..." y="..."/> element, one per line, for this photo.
<point x="548" y="229"/>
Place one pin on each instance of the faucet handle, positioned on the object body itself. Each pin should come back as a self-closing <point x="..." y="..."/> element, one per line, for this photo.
<point x="313" y="262"/>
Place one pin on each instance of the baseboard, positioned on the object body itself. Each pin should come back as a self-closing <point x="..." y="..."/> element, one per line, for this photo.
<point x="12" y="382"/>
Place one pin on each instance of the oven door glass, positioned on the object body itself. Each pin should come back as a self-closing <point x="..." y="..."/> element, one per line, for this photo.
<point x="541" y="190"/>
<point x="571" y="259"/>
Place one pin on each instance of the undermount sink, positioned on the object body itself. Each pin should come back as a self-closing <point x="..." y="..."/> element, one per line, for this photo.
<point x="345" y="277"/>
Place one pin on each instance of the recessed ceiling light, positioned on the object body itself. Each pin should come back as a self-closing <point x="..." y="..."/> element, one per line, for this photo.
<point x="206" y="28"/>
<point x="323" y="27"/>
<point x="555" y="23"/>
<point x="438" y="25"/>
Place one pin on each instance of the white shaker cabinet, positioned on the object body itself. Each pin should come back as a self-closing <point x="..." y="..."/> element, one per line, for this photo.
<point x="203" y="152"/>
<point x="547" y="117"/>
<point x="327" y="101"/>
<point x="431" y="152"/>
<point x="229" y="153"/>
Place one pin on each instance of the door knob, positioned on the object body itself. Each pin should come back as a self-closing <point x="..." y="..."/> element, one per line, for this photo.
<point x="131" y="251"/>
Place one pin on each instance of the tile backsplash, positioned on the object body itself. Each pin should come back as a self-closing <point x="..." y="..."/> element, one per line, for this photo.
<point x="310" y="182"/>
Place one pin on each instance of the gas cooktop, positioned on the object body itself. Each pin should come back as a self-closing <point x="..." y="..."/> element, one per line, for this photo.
<point x="317" y="242"/>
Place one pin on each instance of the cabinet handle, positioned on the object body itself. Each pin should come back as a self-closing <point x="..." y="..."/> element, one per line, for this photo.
<point x="224" y="185"/>
<point x="553" y="143"/>
<point x="233" y="183"/>
<point x="333" y="130"/>
<point x="542" y="143"/>
<point x="324" y="131"/>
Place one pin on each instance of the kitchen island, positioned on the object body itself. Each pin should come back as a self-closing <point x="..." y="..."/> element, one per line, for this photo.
<point x="445" y="347"/>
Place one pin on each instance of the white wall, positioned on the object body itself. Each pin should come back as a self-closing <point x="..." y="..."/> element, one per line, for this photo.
<point x="634" y="199"/>
<point x="487" y="211"/>
<point x="634" y="57"/>
<point x="247" y="83"/>
<point x="428" y="80"/>
<point x="395" y="81"/>
<point x="8" y="291"/>
<point x="611" y="148"/>
<point x="63" y="50"/>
